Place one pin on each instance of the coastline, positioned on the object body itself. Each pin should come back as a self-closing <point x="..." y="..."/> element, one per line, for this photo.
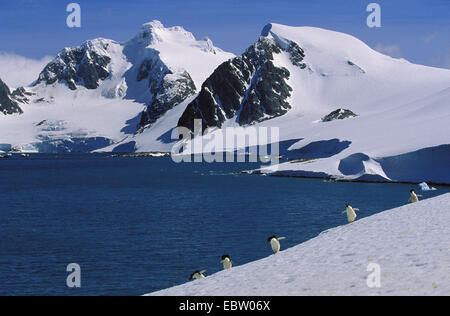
<point x="406" y="243"/>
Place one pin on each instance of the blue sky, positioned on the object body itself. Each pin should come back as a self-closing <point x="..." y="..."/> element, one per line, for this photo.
<point x="418" y="30"/>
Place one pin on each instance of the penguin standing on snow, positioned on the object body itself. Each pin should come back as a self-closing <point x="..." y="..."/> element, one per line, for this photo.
<point x="226" y="261"/>
<point x="275" y="243"/>
<point x="351" y="213"/>
<point x="197" y="275"/>
<point x="414" y="197"/>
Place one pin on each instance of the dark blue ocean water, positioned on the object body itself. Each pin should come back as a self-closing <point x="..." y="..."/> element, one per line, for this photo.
<point x="136" y="225"/>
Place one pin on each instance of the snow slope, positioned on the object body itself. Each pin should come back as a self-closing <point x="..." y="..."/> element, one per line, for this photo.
<point x="178" y="48"/>
<point x="410" y="244"/>
<point x="402" y="108"/>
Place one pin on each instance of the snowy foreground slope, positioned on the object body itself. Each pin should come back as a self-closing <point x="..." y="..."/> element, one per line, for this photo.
<point x="411" y="245"/>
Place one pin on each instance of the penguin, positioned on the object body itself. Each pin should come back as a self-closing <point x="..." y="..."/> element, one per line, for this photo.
<point x="275" y="243"/>
<point x="197" y="275"/>
<point x="414" y="197"/>
<point x="226" y="261"/>
<point x="351" y="214"/>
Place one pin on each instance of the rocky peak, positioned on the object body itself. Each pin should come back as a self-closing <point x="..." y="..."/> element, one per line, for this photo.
<point x="155" y="32"/>
<point x="7" y="104"/>
<point x="167" y="88"/>
<point x="84" y="65"/>
<point x="170" y="91"/>
<point x="249" y="88"/>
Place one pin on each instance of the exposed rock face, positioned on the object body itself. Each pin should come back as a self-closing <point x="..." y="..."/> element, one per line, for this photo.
<point x="297" y="54"/>
<point x="159" y="67"/>
<point x="167" y="89"/>
<point x="21" y="95"/>
<point x="356" y="66"/>
<point x="7" y="103"/>
<point x="84" y="65"/>
<point x="249" y="88"/>
<point x="339" y="114"/>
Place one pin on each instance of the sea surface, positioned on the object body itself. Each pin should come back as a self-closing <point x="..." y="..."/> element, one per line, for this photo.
<point x="137" y="225"/>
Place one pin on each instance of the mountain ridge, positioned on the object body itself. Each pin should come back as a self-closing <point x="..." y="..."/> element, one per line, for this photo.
<point x="154" y="71"/>
<point x="350" y="109"/>
<point x="8" y="102"/>
<point x="380" y="112"/>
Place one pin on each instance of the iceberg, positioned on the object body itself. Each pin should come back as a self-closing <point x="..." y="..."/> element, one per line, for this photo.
<point x="424" y="187"/>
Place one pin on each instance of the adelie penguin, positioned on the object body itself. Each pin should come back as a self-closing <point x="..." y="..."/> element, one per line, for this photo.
<point x="351" y="213"/>
<point x="198" y="275"/>
<point x="414" y="197"/>
<point x="226" y="261"/>
<point x="275" y="243"/>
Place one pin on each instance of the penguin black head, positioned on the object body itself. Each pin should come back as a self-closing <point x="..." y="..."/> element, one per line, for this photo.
<point x="412" y="190"/>
<point x="225" y="257"/>
<point x="347" y="205"/>
<point x="270" y="238"/>
<point x="193" y="274"/>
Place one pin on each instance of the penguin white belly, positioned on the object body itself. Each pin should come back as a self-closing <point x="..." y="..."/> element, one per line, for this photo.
<point x="227" y="264"/>
<point x="275" y="245"/>
<point x="351" y="215"/>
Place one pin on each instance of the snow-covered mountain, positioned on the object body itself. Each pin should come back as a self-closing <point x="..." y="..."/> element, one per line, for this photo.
<point x="102" y="91"/>
<point x="400" y="131"/>
<point x="343" y="109"/>
<point x="248" y="88"/>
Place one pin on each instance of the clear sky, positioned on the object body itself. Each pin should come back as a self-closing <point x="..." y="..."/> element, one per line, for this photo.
<point x="418" y="30"/>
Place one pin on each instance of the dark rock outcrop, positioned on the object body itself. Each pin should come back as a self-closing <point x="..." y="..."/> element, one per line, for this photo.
<point x="21" y="95"/>
<point x="249" y="88"/>
<point x="356" y="66"/>
<point x="167" y="89"/>
<point x="7" y="103"/>
<point x="83" y="65"/>
<point x="297" y="54"/>
<point x="339" y="114"/>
